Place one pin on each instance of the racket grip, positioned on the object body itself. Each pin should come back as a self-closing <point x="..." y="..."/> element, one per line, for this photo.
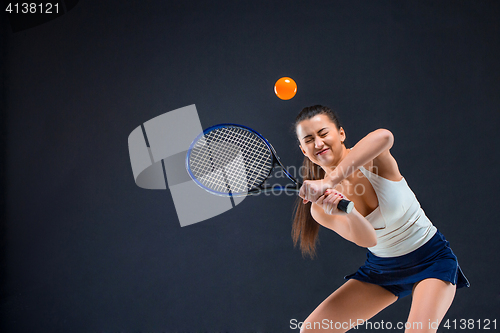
<point x="345" y="206"/>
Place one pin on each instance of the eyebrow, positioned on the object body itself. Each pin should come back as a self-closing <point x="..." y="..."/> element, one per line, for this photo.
<point x="318" y="132"/>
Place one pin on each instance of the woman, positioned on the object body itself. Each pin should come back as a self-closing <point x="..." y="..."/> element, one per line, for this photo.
<point x="406" y="253"/>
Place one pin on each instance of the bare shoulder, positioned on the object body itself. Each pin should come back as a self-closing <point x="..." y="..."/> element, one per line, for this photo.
<point x="385" y="166"/>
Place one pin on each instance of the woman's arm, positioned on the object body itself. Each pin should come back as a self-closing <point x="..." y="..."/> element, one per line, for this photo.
<point x="368" y="148"/>
<point x="353" y="226"/>
<point x="375" y="145"/>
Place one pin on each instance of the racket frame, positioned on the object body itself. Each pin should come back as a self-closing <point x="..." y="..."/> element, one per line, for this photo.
<point x="258" y="189"/>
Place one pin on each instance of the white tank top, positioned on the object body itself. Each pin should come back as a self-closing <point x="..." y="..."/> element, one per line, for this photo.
<point x="400" y="223"/>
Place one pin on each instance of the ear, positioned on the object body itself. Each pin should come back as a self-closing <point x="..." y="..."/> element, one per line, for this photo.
<point x="303" y="151"/>
<point x="342" y="134"/>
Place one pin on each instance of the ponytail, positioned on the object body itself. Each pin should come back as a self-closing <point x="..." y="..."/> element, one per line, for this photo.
<point x="304" y="226"/>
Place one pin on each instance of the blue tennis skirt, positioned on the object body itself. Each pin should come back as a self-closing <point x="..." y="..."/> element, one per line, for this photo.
<point x="434" y="259"/>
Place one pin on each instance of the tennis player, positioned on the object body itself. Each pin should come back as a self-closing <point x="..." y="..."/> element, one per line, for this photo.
<point x="406" y="253"/>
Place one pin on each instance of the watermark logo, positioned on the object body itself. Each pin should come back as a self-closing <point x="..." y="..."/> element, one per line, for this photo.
<point x="279" y="178"/>
<point x="328" y="324"/>
<point x="158" y="149"/>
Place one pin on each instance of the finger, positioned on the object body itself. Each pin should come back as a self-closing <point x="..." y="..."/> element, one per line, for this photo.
<point x="332" y="196"/>
<point x="317" y="192"/>
<point x="336" y="202"/>
<point x="332" y="191"/>
<point x="331" y="208"/>
<point x="320" y="200"/>
<point x="326" y="207"/>
<point x="305" y="189"/>
<point x="340" y="195"/>
<point x="302" y="191"/>
<point x="329" y="200"/>
<point x="332" y="202"/>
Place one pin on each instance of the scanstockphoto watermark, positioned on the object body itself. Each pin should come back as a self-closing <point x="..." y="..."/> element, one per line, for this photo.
<point x="327" y="324"/>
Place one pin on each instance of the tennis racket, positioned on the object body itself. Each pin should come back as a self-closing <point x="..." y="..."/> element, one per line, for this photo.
<point x="234" y="160"/>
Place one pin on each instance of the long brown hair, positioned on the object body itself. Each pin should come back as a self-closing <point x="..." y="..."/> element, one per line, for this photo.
<point x="304" y="226"/>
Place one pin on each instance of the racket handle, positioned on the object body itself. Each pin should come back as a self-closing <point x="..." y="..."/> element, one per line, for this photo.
<point x="345" y="206"/>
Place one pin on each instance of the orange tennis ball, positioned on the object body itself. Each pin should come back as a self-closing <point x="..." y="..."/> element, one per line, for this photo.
<point x="285" y="88"/>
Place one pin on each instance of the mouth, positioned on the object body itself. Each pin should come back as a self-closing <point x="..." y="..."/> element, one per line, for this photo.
<point x="322" y="152"/>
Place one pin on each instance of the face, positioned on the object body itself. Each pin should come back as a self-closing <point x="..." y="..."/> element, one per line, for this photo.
<point x="321" y="141"/>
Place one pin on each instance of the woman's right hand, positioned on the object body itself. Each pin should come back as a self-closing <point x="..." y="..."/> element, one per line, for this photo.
<point x="329" y="202"/>
<point x="312" y="190"/>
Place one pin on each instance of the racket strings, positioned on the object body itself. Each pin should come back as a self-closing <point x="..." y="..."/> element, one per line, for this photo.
<point x="209" y="166"/>
<point x="221" y="154"/>
<point x="257" y="160"/>
<point x="230" y="158"/>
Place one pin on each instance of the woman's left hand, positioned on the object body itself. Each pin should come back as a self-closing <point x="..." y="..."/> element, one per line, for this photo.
<point x="329" y="202"/>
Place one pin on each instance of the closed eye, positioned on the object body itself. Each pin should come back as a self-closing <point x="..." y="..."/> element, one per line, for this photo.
<point x="321" y="135"/>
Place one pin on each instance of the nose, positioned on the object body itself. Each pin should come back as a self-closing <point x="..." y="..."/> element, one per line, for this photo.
<point x="318" y="142"/>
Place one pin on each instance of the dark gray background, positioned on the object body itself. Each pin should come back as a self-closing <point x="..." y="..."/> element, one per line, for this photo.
<point x="86" y="250"/>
